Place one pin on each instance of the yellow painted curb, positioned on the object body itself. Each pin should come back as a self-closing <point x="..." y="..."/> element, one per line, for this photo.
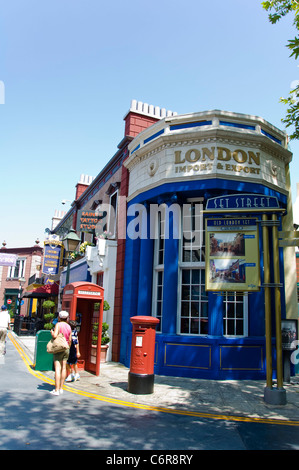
<point x="114" y="401"/>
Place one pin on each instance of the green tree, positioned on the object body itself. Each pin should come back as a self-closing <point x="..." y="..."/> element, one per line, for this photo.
<point x="279" y="9"/>
<point x="48" y="316"/>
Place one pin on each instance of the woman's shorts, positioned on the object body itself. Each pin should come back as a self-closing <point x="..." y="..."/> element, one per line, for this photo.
<point x="61" y="356"/>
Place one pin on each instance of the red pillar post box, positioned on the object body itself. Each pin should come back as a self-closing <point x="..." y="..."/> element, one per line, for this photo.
<point x="141" y="375"/>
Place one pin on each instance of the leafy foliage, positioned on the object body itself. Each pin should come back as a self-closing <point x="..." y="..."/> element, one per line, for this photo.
<point x="48" y="317"/>
<point x="105" y="337"/>
<point x="281" y="8"/>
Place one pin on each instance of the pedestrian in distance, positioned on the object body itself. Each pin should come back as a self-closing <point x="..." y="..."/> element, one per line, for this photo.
<point x="61" y="358"/>
<point x="55" y="319"/>
<point x="72" y="366"/>
<point x="4" y="326"/>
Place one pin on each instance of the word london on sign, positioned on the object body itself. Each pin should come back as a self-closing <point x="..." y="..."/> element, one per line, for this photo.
<point x="206" y="155"/>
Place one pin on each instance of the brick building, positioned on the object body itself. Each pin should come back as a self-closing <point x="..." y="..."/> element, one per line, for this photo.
<point x="103" y="264"/>
<point x="205" y="171"/>
<point x="28" y="266"/>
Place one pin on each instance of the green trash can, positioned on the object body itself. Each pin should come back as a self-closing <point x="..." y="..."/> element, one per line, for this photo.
<point x="43" y="360"/>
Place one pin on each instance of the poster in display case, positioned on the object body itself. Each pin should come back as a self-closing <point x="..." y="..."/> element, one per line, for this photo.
<point x="232" y="254"/>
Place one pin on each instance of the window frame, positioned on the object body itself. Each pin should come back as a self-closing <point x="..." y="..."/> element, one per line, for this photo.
<point x="192" y="265"/>
<point x="112" y="230"/>
<point x="21" y="268"/>
<point x="202" y="303"/>
<point x="234" y="318"/>
<point x="158" y="268"/>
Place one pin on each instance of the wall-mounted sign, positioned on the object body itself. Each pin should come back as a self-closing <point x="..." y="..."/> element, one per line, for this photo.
<point x="53" y="252"/>
<point x="232" y="254"/>
<point x="242" y="201"/>
<point x="7" y="259"/>
<point x="186" y="159"/>
<point x="87" y="292"/>
<point x="87" y="220"/>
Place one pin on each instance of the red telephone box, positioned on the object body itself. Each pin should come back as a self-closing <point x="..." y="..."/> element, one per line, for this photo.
<point x="80" y="299"/>
<point x="141" y="375"/>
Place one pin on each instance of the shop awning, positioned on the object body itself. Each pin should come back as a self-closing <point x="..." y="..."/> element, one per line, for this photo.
<point x="42" y="292"/>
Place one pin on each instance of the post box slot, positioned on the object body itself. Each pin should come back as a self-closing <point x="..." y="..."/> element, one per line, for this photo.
<point x="141" y="331"/>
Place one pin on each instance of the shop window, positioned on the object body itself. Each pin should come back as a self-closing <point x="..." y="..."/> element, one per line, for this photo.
<point x="193" y="302"/>
<point x="17" y="271"/>
<point x="113" y="214"/>
<point x="100" y="279"/>
<point x="193" y="233"/>
<point x="235" y="316"/>
<point x="158" y="281"/>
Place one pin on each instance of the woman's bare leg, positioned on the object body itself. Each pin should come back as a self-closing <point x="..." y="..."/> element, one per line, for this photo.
<point x="57" y="367"/>
<point x="63" y="374"/>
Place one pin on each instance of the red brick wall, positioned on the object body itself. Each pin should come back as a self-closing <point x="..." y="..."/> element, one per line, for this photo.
<point x="119" y="277"/>
<point x="136" y="123"/>
<point x="14" y="283"/>
<point x="80" y="188"/>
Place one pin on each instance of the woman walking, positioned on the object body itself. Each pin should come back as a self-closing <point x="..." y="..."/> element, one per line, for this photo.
<point x="61" y="358"/>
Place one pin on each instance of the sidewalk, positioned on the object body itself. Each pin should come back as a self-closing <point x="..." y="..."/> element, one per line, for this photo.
<point x="232" y="398"/>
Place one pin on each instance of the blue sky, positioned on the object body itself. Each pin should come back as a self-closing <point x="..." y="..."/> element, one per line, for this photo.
<point x="71" y="68"/>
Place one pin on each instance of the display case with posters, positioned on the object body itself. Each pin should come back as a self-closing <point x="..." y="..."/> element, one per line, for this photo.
<point x="232" y="262"/>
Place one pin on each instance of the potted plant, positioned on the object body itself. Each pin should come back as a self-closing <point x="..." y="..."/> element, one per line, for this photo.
<point x="105" y="337"/>
<point x="94" y="335"/>
<point x="105" y="340"/>
<point x="48" y="316"/>
<point x="105" y="307"/>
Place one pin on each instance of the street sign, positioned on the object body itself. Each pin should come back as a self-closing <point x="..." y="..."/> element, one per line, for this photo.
<point x="9" y="301"/>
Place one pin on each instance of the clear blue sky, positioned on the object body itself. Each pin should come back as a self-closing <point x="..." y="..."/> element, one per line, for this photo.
<point x="71" y="68"/>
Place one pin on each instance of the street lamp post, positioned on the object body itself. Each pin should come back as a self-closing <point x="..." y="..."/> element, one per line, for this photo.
<point x="22" y="280"/>
<point x="17" y="322"/>
<point x="70" y="243"/>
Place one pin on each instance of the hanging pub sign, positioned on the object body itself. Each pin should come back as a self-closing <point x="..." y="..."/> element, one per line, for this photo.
<point x="232" y="254"/>
<point x="53" y="253"/>
<point x="87" y="220"/>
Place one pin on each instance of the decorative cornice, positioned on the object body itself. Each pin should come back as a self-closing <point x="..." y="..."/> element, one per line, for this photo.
<point x="212" y="136"/>
<point x="195" y="177"/>
<point x="240" y="129"/>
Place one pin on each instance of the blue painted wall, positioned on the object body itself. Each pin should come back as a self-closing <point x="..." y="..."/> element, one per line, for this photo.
<point x="212" y="356"/>
<point x="79" y="272"/>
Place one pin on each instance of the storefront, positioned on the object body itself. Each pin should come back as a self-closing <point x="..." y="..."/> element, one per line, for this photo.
<point x="185" y="171"/>
<point x="79" y="271"/>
